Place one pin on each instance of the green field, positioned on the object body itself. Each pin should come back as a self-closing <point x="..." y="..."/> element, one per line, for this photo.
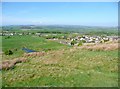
<point x="31" y="42"/>
<point x="61" y="66"/>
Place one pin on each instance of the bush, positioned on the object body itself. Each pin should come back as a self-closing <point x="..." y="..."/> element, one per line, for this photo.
<point x="8" y="52"/>
<point x="80" y="43"/>
<point x="47" y="49"/>
<point x="73" y="42"/>
<point x="7" y="37"/>
<point x="83" y="41"/>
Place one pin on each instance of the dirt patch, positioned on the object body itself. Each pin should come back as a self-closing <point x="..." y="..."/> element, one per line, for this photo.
<point x="9" y="64"/>
<point x="34" y="54"/>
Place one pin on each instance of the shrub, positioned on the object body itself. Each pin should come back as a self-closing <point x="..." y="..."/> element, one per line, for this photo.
<point x="47" y="49"/>
<point x="73" y="42"/>
<point x="7" y="37"/>
<point x="8" y="52"/>
<point x="80" y="43"/>
<point x="83" y="41"/>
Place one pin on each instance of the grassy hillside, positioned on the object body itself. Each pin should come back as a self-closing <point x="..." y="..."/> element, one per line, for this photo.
<point x="73" y="67"/>
<point x="61" y="65"/>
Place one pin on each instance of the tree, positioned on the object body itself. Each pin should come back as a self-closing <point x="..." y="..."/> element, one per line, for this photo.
<point x="73" y="42"/>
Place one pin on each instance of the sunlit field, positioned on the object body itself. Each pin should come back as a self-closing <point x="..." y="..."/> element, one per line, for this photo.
<point x="62" y="65"/>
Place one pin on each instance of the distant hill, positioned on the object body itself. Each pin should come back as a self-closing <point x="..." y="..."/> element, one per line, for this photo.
<point x="65" y="28"/>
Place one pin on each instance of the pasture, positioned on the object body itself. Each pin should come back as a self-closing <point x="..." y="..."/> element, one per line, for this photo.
<point x="16" y="43"/>
<point x="66" y="68"/>
<point x="60" y="66"/>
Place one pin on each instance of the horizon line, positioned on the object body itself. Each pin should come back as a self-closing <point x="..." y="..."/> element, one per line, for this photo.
<point x="56" y="25"/>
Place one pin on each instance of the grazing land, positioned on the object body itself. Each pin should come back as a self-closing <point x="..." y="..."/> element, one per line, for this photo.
<point x="63" y="58"/>
<point x="72" y="67"/>
<point x="16" y="43"/>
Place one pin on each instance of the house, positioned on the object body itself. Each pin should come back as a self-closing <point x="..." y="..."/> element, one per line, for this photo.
<point x="1" y="34"/>
<point x="112" y="38"/>
<point x="11" y="34"/>
<point x="38" y="34"/>
<point x="82" y="39"/>
<point x="20" y="34"/>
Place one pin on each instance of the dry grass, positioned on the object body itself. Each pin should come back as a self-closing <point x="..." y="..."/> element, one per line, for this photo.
<point x="34" y="54"/>
<point x="66" y="67"/>
<point x="104" y="47"/>
<point x="9" y="64"/>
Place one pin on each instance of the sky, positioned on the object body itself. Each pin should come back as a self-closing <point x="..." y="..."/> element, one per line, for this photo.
<point x="60" y="0"/>
<point x="60" y="13"/>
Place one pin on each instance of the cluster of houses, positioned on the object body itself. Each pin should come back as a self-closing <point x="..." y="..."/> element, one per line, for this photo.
<point x="87" y="39"/>
<point x="91" y="39"/>
<point x="68" y="40"/>
<point x="94" y="39"/>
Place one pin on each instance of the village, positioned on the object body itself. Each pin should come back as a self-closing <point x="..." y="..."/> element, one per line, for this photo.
<point x="85" y="39"/>
<point x="75" y="39"/>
